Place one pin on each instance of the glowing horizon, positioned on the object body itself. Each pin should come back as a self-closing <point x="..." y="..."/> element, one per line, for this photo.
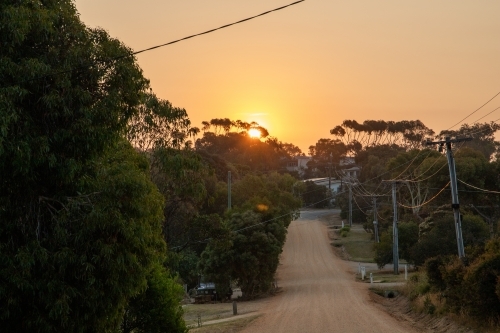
<point x="301" y="71"/>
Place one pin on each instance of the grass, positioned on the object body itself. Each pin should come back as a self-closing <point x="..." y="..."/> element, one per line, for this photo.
<point x="207" y="312"/>
<point x="357" y="243"/>
<point x="232" y="326"/>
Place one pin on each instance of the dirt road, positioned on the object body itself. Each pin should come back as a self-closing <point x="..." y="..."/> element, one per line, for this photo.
<point x="319" y="294"/>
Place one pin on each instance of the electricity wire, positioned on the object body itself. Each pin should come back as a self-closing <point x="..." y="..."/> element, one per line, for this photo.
<point x="416" y="180"/>
<point x="131" y="54"/>
<point x="425" y="203"/>
<point x="470" y="114"/>
<point x="482" y="130"/>
<point x="219" y="28"/>
<point x="486" y="114"/>
<point x="413" y="160"/>
<point x="477" y="188"/>
<point x="380" y="217"/>
<point x="353" y="187"/>
<point x="435" y="173"/>
<point x="258" y="224"/>
<point x="356" y="202"/>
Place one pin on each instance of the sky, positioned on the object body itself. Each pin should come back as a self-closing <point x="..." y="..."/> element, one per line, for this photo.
<point x="303" y="70"/>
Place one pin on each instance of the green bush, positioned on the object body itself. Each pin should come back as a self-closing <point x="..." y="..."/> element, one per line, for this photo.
<point x="157" y="309"/>
<point x="346" y="228"/>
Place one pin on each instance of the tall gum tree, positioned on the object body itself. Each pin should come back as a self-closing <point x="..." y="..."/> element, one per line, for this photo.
<point x="80" y="219"/>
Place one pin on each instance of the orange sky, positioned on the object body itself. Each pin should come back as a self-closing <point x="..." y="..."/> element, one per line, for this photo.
<point x="301" y="71"/>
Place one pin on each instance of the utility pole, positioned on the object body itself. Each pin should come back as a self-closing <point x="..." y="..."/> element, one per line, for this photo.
<point x="330" y="175"/>
<point x="395" y="242"/>
<point x="454" y="191"/>
<point x="395" y="234"/>
<point x="229" y="189"/>
<point x="350" y="204"/>
<point x="375" y="222"/>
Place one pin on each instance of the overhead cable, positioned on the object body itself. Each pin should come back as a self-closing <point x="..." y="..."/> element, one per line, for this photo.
<point x="487" y="114"/>
<point x="165" y="44"/>
<point x="219" y="28"/>
<point x="425" y="203"/>
<point x="477" y="188"/>
<point x="479" y="108"/>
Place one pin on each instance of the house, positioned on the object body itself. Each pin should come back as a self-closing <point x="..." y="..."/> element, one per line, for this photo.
<point x="298" y="164"/>
<point x="351" y="173"/>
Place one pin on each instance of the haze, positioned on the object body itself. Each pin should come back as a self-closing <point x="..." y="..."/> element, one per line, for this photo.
<point x="302" y="70"/>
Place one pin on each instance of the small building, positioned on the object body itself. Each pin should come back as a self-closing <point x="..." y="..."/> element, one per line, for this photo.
<point x="298" y="164"/>
<point x="351" y="173"/>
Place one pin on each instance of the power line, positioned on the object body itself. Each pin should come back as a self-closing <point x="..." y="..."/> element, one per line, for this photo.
<point x="413" y="160"/>
<point x="482" y="130"/>
<point x="479" y="108"/>
<point x="477" y="188"/>
<point x="487" y="114"/>
<point x="356" y="202"/>
<point x="219" y="28"/>
<point x="162" y="45"/>
<point x="343" y="192"/>
<point x="425" y="203"/>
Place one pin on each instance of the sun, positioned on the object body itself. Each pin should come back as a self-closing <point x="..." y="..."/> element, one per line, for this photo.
<point x="254" y="133"/>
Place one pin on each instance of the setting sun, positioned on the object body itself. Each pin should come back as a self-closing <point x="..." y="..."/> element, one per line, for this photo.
<point x="254" y="133"/>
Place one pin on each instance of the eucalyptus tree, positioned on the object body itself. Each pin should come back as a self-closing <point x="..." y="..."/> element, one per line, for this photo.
<point x="81" y="220"/>
<point x="483" y="135"/>
<point x="254" y="234"/>
<point x="406" y="133"/>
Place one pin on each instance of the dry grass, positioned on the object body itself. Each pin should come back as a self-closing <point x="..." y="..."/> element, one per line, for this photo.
<point x="206" y="312"/>
<point x="358" y="244"/>
<point x="222" y="314"/>
<point x="232" y="326"/>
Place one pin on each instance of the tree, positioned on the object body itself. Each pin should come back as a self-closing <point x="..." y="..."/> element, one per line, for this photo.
<point x="252" y="258"/>
<point x="482" y="284"/>
<point x="157" y="309"/>
<point x="245" y="153"/>
<point x="410" y="166"/>
<point x="158" y="124"/>
<point x="473" y="288"/>
<point x="255" y="231"/>
<point x="407" y="134"/>
<point x="437" y="235"/>
<point x="407" y="237"/>
<point x="325" y="155"/>
<point x="315" y="195"/>
<point x="80" y="218"/>
<point x="383" y="250"/>
<point x="484" y="137"/>
<point x="88" y="254"/>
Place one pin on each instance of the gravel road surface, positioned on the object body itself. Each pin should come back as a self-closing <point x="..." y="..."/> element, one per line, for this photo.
<point x="319" y="294"/>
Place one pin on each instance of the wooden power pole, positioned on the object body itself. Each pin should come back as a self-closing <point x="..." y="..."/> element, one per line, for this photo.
<point x="454" y="191"/>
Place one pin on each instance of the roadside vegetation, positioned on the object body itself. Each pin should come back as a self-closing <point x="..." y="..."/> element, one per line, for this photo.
<point x="355" y="242"/>
<point x="427" y="239"/>
<point x="111" y="200"/>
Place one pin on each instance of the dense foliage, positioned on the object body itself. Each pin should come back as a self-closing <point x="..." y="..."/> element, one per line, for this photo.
<point x="257" y="224"/>
<point x="108" y="200"/>
<point x="80" y="218"/>
<point x="426" y="225"/>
